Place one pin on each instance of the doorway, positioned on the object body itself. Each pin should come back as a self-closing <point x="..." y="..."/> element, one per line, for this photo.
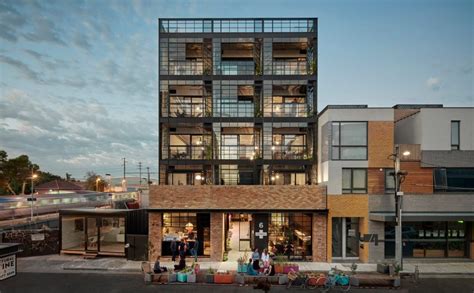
<point x="345" y="238"/>
<point x="240" y="228"/>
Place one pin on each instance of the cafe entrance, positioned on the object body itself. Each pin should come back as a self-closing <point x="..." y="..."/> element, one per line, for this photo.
<point x="240" y="232"/>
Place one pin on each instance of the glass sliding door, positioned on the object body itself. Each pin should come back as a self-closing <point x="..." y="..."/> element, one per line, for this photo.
<point x="92" y="235"/>
<point x="345" y="237"/>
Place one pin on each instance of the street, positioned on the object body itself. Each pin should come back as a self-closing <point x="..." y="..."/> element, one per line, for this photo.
<point x="100" y="282"/>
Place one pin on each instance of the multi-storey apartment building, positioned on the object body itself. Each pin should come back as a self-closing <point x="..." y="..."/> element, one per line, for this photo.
<point x="355" y="161"/>
<point x="237" y="134"/>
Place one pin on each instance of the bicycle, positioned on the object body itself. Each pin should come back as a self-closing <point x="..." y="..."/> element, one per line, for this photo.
<point x="305" y="281"/>
<point x="337" y="280"/>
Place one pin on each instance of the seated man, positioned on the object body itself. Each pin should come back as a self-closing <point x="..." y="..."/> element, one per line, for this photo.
<point x="181" y="265"/>
<point x="157" y="269"/>
<point x="250" y="270"/>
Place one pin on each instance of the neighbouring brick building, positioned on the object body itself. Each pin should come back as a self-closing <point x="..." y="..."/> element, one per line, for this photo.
<point x="237" y="134"/>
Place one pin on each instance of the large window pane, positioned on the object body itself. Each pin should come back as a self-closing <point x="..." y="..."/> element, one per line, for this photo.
<point x="353" y="153"/>
<point x="354" y="133"/>
<point x="346" y="179"/>
<point x="335" y="133"/>
<point x="112" y="235"/>
<point x="455" y="135"/>
<point x="336" y="237"/>
<point x="352" y="237"/>
<point x="359" y="178"/>
<point x="72" y="230"/>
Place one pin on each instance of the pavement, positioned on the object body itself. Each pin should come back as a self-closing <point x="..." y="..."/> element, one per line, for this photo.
<point x="117" y="283"/>
<point x="71" y="263"/>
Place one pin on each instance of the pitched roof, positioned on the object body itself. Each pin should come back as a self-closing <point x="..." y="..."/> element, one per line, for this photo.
<point x="59" y="185"/>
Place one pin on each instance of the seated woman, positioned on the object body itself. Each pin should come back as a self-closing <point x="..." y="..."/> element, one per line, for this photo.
<point x="181" y="265"/>
<point x="157" y="269"/>
<point x="270" y="270"/>
<point x="250" y="270"/>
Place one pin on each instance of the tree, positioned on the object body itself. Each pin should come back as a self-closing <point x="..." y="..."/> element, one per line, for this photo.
<point x="15" y="174"/>
<point x="92" y="183"/>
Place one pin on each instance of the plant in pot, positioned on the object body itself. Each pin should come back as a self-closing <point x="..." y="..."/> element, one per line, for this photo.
<point x="279" y="263"/>
<point x="396" y="273"/>
<point x="242" y="263"/>
<point x="353" y="279"/>
<point x="171" y="275"/>
<point x="383" y="268"/>
<point x="223" y="278"/>
<point x="210" y="275"/>
<point x="182" y="276"/>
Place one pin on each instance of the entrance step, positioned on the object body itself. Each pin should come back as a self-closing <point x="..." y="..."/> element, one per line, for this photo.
<point x="90" y="255"/>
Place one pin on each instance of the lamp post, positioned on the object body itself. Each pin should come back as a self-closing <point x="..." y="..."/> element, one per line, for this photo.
<point x="97" y="184"/>
<point x="32" y="199"/>
<point x="398" y="174"/>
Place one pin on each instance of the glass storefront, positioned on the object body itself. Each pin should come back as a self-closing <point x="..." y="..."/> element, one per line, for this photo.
<point x="429" y="239"/>
<point x="293" y="229"/>
<point x="189" y="226"/>
<point x="93" y="234"/>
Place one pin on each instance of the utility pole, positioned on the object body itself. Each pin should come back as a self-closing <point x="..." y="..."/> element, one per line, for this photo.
<point x="140" y="172"/>
<point x="124" y="166"/>
<point x="148" y="172"/>
<point x="398" y="175"/>
<point x="124" y="179"/>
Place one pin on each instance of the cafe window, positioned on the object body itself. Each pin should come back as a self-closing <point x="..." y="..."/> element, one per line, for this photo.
<point x="291" y="228"/>
<point x="189" y="226"/>
<point x="354" y="180"/>
<point x="178" y="225"/>
<point x="349" y="141"/>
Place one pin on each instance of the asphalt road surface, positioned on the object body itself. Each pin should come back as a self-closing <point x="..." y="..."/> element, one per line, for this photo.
<point x="102" y="283"/>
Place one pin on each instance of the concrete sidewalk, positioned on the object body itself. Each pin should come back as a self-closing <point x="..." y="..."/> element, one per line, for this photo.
<point x="63" y="263"/>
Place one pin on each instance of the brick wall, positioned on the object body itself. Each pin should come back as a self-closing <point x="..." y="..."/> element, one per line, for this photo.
<point x="217" y="236"/>
<point x="238" y="197"/>
<point x="155" y="236"/>
<point x="320" y="243"/>
<point x="380" y="143"/>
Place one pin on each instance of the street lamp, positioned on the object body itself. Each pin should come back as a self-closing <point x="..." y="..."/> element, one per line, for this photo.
<point x="97" y="184"/>
<point x="398" y="175"/>
<point x="32" y="199"/>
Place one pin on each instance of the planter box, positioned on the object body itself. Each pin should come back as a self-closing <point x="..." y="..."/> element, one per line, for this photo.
<point x="148" y="277"/>
<point x="287" y="269"/>
<point x="397" y="282"/>
<point x="242" y="268"/>
<point x="210" y="279"/>
<point x="191" y="278"/>
<point x="196" y="268"/>
<point x="354" y="281"/>
<point x="182" y="277"/>
<point x="240" y="279"/>
<point x="278" y="268"/>
<point x="382" y="268"/>
<point x="223" y="279"/>
<point x="273" y="279"/>
<point x="283" y="279"/>
<point x="171" y="278"/>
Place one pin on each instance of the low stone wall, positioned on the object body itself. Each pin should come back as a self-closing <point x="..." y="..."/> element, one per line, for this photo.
<point x="34" y="242"/>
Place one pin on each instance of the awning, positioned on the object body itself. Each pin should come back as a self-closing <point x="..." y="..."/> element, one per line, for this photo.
<point x="422" y="216"/>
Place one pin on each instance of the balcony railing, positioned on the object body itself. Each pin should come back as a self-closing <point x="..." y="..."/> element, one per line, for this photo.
<point x="290" y="68"/>
<point x="238" y="152"/>
<point x="188" y="152"/>
<point x="186" y="110"/>
<point x="185" y="68"/>
<point x="293" y="152"/>
<point x="236" y="110"/>
<point x="289" y="110"/>
<point x="237" y="68"/>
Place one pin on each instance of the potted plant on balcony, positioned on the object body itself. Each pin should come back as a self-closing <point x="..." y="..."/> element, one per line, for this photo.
<point x="258" y="69"/>
<point x="210" y="275"/>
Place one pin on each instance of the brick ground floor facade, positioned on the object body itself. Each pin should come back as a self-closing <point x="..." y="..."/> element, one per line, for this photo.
<point x="284" y="219"/>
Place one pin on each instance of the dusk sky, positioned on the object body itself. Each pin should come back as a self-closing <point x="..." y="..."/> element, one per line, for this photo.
<point x="78" y="79"/>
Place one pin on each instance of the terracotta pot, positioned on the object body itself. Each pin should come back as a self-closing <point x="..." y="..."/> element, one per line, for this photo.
<point x="278" y="268"/>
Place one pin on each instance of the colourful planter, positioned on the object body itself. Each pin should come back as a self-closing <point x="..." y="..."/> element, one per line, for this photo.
<point x="242" y="268"/>
<point x="182" y="277"/>
<point x="191" y="278"/>
<point x="288" y="268"/>
<point x="210" y="279"/>
<point x="223" y="278"/>
<point x="278" y="268"/>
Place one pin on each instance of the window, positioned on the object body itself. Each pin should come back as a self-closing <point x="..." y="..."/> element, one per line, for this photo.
<point x="349" y="141"/>
<point x="389" y="181"/>
<point x="176" y="225"/>
<point x="293" y="228"/>
<point x="354" y="180"/>
<point x="345" y="237"/>
<point x="453" y="179"/>
<point x="455" y="135"/>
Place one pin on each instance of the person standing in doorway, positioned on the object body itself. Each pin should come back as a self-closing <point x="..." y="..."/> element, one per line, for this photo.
<point x="174" y="248"/>
<point x="182" y="248"/>
<point x="194" y="250"/>
<point x="256" y="260"/>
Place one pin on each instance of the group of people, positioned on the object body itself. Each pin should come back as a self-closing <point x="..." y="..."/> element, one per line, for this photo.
<point x="261" y="264"/>
<point x="180" y="249"/>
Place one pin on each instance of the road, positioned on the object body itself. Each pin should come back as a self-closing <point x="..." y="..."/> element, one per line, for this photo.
<point x="114" y="283"/>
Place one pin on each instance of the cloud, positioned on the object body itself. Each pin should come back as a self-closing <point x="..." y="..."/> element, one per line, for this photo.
<point x="82" y="41"/>
<point x="434" y="83"/>
<point x="45" y="31"/>
<point x="22" y="68"/>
